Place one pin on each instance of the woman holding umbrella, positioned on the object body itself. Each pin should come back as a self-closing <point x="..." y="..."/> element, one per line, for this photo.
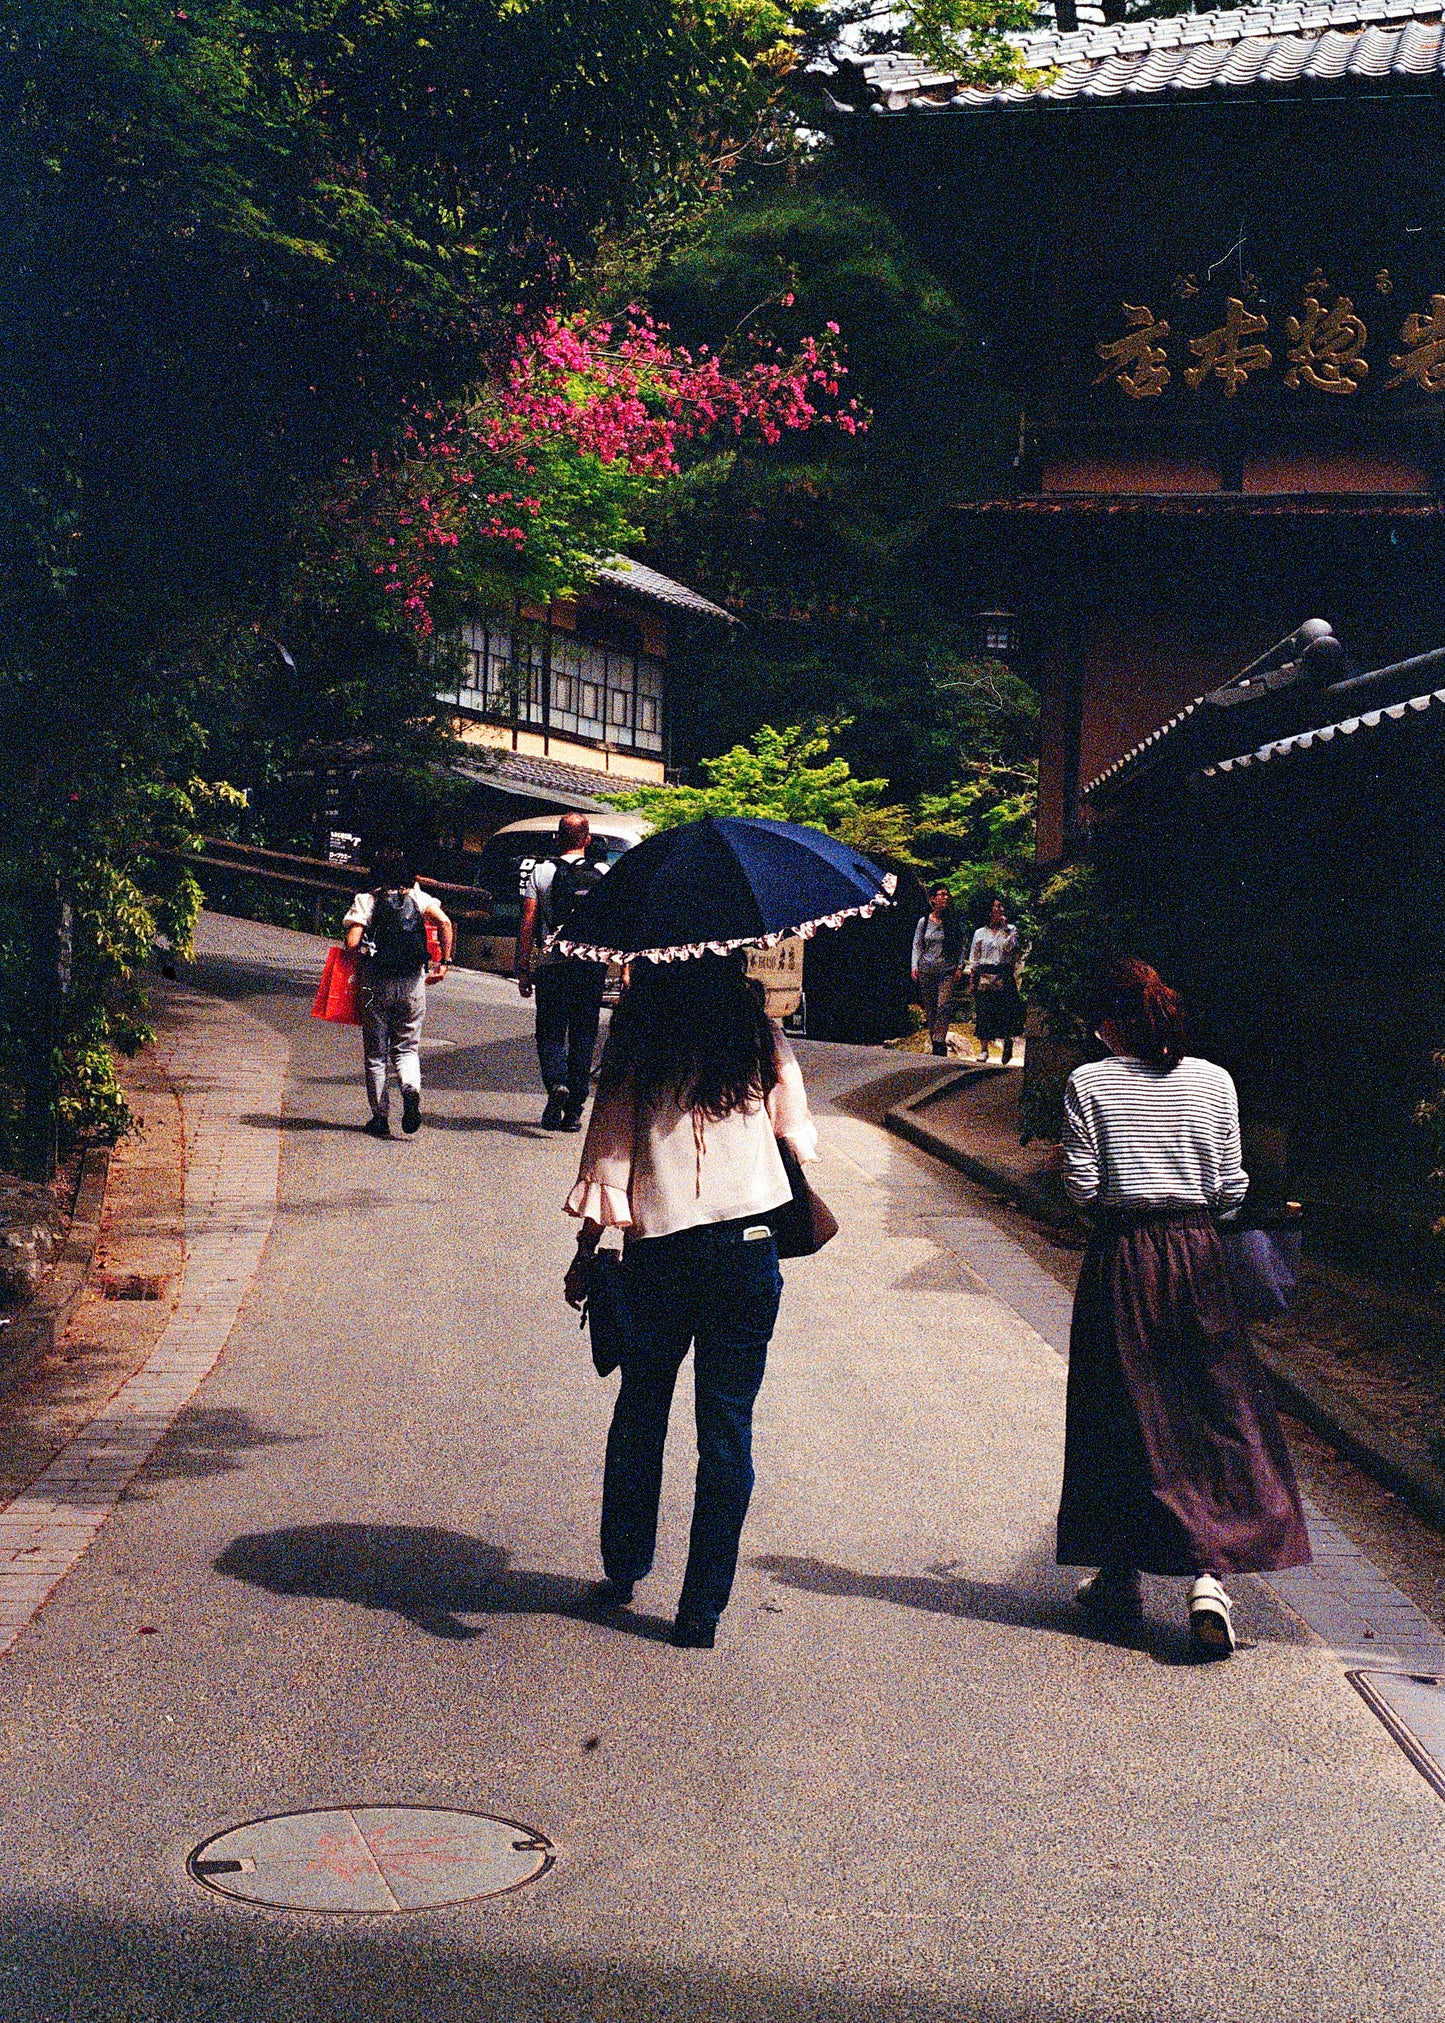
<point x="696" y="1089"/>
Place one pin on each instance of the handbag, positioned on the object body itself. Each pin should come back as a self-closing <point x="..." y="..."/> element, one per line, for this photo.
<point x="806" y="1222"/>
<point x="336" y="993"/>
<point x="1263" y="1262"/>
<point x="607" y="1311"/>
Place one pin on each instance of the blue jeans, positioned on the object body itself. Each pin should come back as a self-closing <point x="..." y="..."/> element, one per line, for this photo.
<point x="709" y="1287"/>
<point x="569" y="1004"/>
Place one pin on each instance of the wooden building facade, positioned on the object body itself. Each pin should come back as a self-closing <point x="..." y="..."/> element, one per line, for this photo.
<point x="563" y="704"/>
<point x="1206" y="263"/>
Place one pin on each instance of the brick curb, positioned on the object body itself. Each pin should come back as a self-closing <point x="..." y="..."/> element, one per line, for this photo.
<point x="39" y="1325"/>
<point x="1405" y="1467"/>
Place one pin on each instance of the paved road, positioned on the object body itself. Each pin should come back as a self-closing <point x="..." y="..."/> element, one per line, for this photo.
<point x="906" y="1785"/>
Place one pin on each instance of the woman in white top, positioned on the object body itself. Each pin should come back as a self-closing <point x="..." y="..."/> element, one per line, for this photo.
<point x="1174" y="1462"/>
<point x="696" y="1087"/>
<point x="998" y="1011"/>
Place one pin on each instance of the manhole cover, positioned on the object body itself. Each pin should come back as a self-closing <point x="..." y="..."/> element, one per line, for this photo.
<point x="370" y="1858"/>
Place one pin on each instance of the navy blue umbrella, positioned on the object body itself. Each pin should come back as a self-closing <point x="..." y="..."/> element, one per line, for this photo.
<point x="728" y="881"/>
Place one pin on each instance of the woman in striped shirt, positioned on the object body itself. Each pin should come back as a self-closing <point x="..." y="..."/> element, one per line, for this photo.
<point x="1174" y="1462"/>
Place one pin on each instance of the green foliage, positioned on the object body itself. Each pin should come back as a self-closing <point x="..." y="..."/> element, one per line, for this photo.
<point x="969" y="38"/>
<point x="827" y="547"/>
<point x="239" y="239"/>
<point x="977" y="838"/>
<point x="786" y="776"/>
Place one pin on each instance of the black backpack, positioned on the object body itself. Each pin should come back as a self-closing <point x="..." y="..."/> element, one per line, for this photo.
<point x="570" y="879"/>
<point x="396" y="937"/>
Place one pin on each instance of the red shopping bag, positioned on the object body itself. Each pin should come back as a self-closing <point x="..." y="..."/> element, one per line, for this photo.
<point x="336" y="993"/>
<point x="433" y="942"/>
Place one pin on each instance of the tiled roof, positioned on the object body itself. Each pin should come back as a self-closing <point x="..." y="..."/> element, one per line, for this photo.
<point x="1206" y="735"/>
<point x="622" y="573"/>
<point x="1323" y="734"/>
<point x="538" y="779"/>
<point x="1255" y="51"/>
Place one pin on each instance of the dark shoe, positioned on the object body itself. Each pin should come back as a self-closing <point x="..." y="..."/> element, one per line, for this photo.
<point x="1112" y="1595"/>
<point x="691" y="1633"/>
<point x="571" y="1121"/>
<point x="377" y="1128"/>
<point x="612" y="1594"/>
<point x="411" y="1111"/>
<point x="555" y="1111"/>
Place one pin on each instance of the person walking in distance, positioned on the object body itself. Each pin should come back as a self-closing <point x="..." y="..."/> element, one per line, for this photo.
<point x="388" y="927"/>
<point x="569" y="992"/>
<point x="1174" y="1462"/>
<point x="998" y="1012"/>
<point x="697" y="1086"/>
<point x="937" y="964"/>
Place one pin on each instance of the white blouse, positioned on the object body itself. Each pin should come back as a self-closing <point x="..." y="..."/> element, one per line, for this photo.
<point x="672" y="1169"/>
<point x="993" y="945"/>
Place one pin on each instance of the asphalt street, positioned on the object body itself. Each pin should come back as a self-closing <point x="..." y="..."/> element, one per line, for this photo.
<point x="908" y="1784"/>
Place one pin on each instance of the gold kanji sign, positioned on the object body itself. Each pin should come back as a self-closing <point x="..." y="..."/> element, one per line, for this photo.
<point x="1135" y="362"/>
<point x="1326" y="347"/>
<point x="1327" y="339"/>
<point x="1223" y="353"/>
<point x="1422" y="358"/>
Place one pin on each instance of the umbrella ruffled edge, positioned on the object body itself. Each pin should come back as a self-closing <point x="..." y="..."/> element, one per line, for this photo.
<point x="586" y="951"/>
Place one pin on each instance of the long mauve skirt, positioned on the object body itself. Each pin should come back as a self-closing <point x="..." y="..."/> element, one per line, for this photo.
<point x="1173" y="1457"/>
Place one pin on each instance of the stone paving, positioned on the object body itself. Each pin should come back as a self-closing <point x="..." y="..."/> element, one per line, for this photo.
<point x="226" y="1064"/>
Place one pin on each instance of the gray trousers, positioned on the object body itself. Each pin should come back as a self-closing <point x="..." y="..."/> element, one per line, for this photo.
<point x="392" y="1010"/>
<point x="935" y="993"/>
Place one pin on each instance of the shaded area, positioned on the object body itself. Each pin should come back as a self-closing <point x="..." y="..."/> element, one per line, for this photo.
<point x="258" y="1122"/>
<point x="208" y="1439"/>
<point x="507" y="1067"/>
<point x="430" y="1577"/>
<point x="1040" y="1597"/>
<point x="244" y="1966"/>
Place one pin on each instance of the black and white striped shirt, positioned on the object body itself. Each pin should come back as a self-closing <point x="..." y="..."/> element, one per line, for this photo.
<point x="1137" y="1136"/>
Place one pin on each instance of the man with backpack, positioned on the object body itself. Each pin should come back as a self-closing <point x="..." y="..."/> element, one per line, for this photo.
<point x="569" y="993"/>
<point x="388" y="926"/>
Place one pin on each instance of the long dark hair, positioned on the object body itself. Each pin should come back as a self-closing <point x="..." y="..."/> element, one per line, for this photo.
<point x="695" y="1033"/>
<point x="1148" y="1014"/>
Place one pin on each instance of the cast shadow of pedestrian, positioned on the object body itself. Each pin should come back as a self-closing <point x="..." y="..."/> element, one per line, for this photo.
<point x="260" y="1122"/>
<point x="498" y="1067"/>
<point x="1039" y="1597"/>
<point x="430" y="1577"/>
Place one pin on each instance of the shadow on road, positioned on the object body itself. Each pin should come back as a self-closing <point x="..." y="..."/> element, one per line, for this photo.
<point x="225" y="1965"/>
<point x="506" y="1067"/>
<point x="260" y="1122"/>
<point x="1040" y="1597"/>
<point x="428" y="1576"/>
<point x="206" y="1440"/>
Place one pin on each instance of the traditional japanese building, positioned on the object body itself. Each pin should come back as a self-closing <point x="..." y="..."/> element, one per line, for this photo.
<point x="1279" y="849"/>
<point x="570" y="702"/>
<point x="1205" y="259"/>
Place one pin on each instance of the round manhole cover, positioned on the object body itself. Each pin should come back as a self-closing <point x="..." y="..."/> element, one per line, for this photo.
<point x="370" y="1858"/>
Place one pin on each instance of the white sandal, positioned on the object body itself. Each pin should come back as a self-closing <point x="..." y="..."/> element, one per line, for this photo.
<point x="1211" y="1623"/>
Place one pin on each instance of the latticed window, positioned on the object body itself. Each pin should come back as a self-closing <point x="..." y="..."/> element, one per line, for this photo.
<point x="602" y="693"/>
